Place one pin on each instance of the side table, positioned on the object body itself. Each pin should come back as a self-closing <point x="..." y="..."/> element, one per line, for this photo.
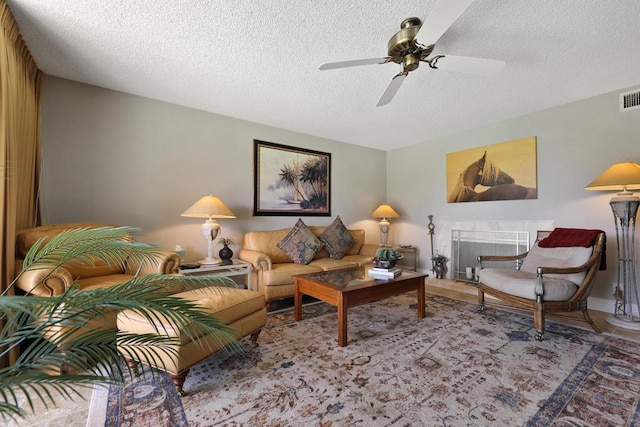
<point x="410" y="260"/>
<point x="238" y="268"/>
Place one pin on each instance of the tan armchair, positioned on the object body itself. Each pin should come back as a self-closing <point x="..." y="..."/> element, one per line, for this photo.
<point x="548" y="278"/>
<point x="45" y="281"/>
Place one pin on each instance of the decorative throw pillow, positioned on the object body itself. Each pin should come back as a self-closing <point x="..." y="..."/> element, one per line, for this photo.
<point x="568" y="237"/>
<point x="337" y="239"/>
<point x="300" y="244"/>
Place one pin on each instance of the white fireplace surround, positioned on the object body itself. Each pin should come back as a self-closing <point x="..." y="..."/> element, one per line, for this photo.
<point x="443" y="242"/>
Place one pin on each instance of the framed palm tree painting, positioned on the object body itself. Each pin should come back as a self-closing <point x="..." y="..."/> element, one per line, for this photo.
<point x="291" y="181"/>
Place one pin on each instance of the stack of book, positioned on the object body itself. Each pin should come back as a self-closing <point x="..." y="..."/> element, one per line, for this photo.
<point x="385" y="273"/>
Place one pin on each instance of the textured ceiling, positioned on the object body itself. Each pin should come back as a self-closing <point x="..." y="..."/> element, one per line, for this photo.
<point x="258" y="60"/>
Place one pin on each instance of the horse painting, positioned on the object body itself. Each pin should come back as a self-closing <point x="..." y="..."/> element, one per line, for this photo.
<point x="484" y="172"/>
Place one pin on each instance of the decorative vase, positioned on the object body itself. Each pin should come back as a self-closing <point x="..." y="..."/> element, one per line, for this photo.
<point x="440" y="269"/>
<point x="225" y="255"/>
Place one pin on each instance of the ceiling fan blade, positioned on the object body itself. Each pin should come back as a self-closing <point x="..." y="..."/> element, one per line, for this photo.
<point x="443" y="15"/>
<point x="354" y="63"/>
<point x="392" y="89"/>
<point x="467" y="64"/>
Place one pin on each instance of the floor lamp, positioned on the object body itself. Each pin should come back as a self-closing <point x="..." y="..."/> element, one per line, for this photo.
<point x="623" y="176"/>
<point x="384" y="212"/>
<point x="209" y="207"/>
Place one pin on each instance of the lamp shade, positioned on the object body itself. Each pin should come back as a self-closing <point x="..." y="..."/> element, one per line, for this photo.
<point x="384" y="211"/>
<point x="209" y="207"/>
<point x="621" y="176"/>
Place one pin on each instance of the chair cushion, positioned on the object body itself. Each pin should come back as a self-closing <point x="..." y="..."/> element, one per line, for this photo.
<point x="103" y="281"/>
<point x="337" y="239"/>
<point x="300" y="244"/>
<point x="557" y="257"/>
<point x="90" y="267"/>
<point x="523" y="284"/>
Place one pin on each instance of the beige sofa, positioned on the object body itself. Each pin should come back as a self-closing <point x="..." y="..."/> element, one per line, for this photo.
<point x="273" y="269"/>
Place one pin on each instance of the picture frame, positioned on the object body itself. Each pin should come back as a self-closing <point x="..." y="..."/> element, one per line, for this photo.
<point x="501" y="171"/>
<point x="290" y="181"/>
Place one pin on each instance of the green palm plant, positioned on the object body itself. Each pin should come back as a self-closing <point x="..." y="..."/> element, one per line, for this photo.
<point x="73" y="353"/>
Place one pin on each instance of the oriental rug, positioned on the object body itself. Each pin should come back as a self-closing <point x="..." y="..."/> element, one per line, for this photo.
<point x="456" y="367"/>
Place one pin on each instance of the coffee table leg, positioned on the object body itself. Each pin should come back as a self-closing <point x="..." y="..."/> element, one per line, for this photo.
<point x="421" y="296"/>
<point x="342" y="323"/>
<point x="297" y="303"/>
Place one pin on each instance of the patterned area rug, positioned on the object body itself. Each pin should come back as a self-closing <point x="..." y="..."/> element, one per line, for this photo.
<point x="454" y="368"/>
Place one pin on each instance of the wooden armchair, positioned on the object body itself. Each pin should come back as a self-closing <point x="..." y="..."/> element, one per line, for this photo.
<point x="554" y="276"/>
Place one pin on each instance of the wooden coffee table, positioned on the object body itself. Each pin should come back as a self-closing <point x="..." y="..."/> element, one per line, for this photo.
<point x="350" y="287"/>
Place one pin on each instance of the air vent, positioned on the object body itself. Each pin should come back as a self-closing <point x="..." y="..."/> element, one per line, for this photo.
<point x="630" y="100"/>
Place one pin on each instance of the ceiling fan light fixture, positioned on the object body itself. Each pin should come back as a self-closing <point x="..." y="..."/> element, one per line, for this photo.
<point x="410" y="62"/>
<point x="411" y="22"/>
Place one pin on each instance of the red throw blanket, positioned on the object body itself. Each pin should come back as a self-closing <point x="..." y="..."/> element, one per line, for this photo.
<point x="570" y="237"/>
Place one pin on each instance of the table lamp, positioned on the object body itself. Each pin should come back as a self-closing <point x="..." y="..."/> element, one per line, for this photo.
<point x="209" y="207"/>
<point x="623" y="177"/>
<point x="384" y="212"/>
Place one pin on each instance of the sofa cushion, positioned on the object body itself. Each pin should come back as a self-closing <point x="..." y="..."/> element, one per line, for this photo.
<point x="267" y="243"/>
<point x="281" y="274"/>
<point x="360" y="260"/>
<point x="337" y="239"/>
<point x="329" y="264"/>
<point x="523" y="284"/>
<point x="300" y="244"/>
<point x="557" y="257"/>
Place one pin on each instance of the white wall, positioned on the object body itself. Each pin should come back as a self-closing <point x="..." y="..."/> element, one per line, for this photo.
<point x="122" y="159"/>
<point x="575" y="143"/>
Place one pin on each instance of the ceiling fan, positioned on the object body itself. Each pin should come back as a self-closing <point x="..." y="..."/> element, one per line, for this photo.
<point x="404" y="48"/>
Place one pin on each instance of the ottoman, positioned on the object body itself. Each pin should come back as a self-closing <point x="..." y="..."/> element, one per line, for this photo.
<point x="241" y="309"/>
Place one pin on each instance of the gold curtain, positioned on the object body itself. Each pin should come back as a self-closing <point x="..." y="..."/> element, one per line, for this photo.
<point x="20" y="87"/>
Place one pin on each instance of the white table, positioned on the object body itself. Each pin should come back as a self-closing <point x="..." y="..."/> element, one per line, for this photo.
<point x="238" y="268"/>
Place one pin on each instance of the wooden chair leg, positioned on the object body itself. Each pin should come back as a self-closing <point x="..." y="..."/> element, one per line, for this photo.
<point x="480" y="307"/>
<point x="538" y="319"/>
<point x="178" y="380"/>
<point x="254" y="337"/>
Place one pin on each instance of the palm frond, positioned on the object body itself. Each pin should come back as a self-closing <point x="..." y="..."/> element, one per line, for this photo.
<point x="63" y="348"/>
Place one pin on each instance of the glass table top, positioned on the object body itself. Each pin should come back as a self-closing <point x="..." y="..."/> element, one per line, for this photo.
<point x="349" y="277"/>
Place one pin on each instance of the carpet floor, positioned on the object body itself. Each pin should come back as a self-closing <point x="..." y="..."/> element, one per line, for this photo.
<point x="455" y="367"/>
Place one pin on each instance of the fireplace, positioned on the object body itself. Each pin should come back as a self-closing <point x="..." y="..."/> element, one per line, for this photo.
<point x="466" y="245"/>
<point x="463" y="241"/>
